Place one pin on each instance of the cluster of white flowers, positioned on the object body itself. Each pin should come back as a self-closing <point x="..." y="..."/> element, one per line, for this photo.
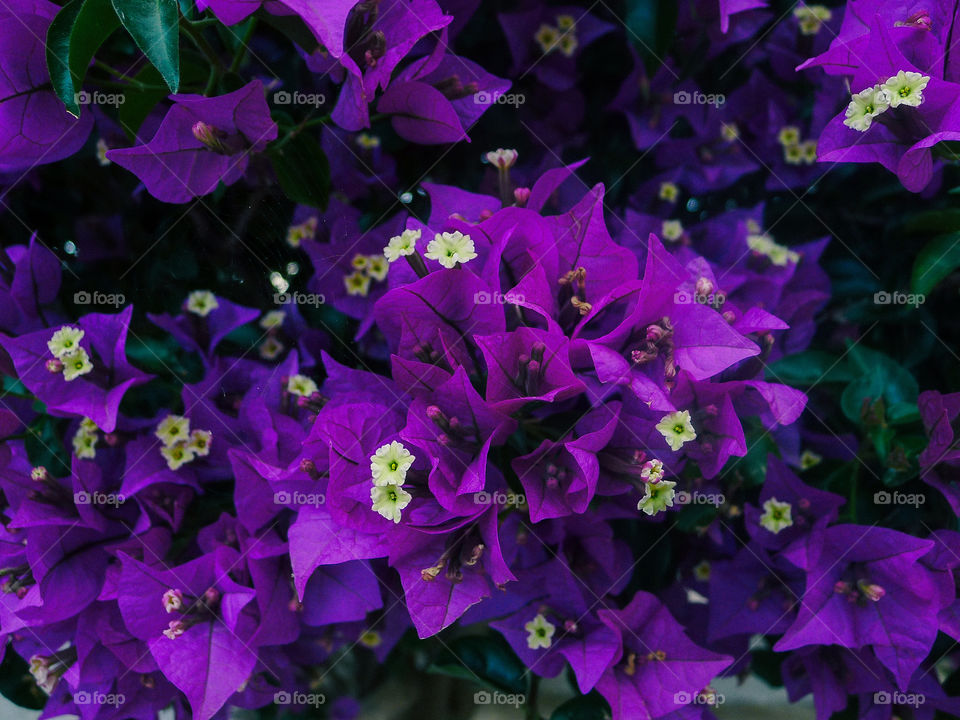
<point x="307" y="230"/>
<point x="85" y="440"/>
<point x="904" y="88"/>
<point x="180" y="445"/>
<point x="68" y="356"/>
<point x="366" y="270"/>
<point x="795" y="150"/>
<point x="562" y="36"/>
<point x="388" y="469"/>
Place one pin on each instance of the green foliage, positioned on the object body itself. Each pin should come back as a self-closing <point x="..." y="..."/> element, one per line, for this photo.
<point x="154" y="27"/>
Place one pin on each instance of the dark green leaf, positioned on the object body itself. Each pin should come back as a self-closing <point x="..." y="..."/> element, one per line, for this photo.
<point x="808" y="368"/>
<point x="584" y="707"/>
<point x="17" y="685"/>
<point x="650" y="27"/>
<point x="937" y="259"/>
<point x="138" y="102"/>
<point x="74" y="36"/>
<point x="485" y="658"/>
<point x="302" y="170"/>
<point x="154" y="27"/>
<point x="933" y="222"/>
<point x="878" y="377"/>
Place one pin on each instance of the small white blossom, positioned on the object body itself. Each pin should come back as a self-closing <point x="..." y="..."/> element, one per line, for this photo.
<point x="390" y="463"/>
<point x="677" y="429"/>
<point x="64" y="341"/>
<point x="389" y="500"/>
<point x="657" y="497"/>
<point x="540" y="632"/>
<point x="273" y="319"/>
<point x="76" y="364"/>
<point x="301" y="385"/>
<point x="671" y="230"/>
<point x="403" y="244"/>
<point x="905" y="88"/>
<point x="173" y="429"/>
<point x="776" y="515"/>
<point x="201" y="302"/>
<point x="177" y="455"/>
<point x="451" y="248"/>
<point x="864" y="107"/>
<point x="503" y="159"/>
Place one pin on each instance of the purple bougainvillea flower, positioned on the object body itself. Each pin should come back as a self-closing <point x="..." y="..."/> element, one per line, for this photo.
<point x="437" y="100"/>
<point x="547" y="40"/>
<point x="103" y="379"/>
<point x="528" y="365"/>
<point x="865" y="587"/>
<point x="201" y="142"/>
<point x="576" y="635"/>
<point x="456" y="429"/>
<point x="658" y="669"/>
<point x="380" y="35"/>
<point x="35" y="127"/>
<point x="31" y="281"/>
<point x="204" y="321"/>
<point x="941" y="457"/>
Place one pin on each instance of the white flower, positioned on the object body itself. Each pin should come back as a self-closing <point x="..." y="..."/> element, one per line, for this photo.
<point x="403" y="244"/>
<point x="677" y="429"/>
<point x="657" y="497"/>
<point x="76" y="364"/>
<point x="776" y="515"/>
<point x="812" y="17"/>
<point x="389" y="464"/>
<point x="306" y="230"/>
<point x="671" y="230"/>
<point x="547" y="37"/>
<point x="502" y="159"/>
<point x="273" y="319"/>
<point x="301" y="385"/>
<point x="357" y="283"/>
<point x="200" y="442"/>
<point x="905" y="88"/>
<point x="270" y="348"/>
<point x="201" y="302"/>
<point x="541" y="632"/>
<point x="85" y="443"/>
<point x="729" y="132"/>
<point x="652" y="471"/>
<point x="389" y="500"/>
<point x="448" y="249"/>
<point x="64" y="341"/>
<point x="102" y="148"/>
<point x="173" y="429"/>
<point x="864" y="107"/>
<point x="808" y="459"/>
<point x="367" y="141"/>
<point x="779" y="255"/>
<point x="377" y="267"/>
<point x="177" y="455"/>
<point x="669" y="191"/>
<point x="788" y="135"/>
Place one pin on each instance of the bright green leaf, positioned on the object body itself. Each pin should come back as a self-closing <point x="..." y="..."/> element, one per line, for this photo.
<point x="74" y="36"/>
<point x="154" y="27"/>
